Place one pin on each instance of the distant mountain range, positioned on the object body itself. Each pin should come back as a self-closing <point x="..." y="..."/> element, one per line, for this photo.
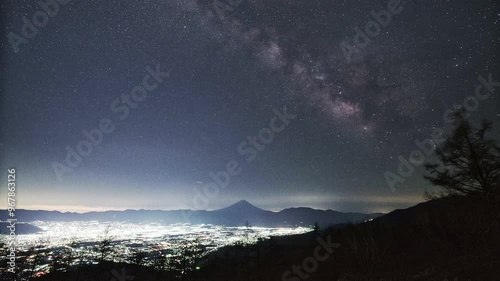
<point x="235" y="215"/>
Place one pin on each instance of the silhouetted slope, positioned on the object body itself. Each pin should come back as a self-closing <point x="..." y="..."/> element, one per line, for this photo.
<point x="442" y="239"/>
<point x="322" y="217"/>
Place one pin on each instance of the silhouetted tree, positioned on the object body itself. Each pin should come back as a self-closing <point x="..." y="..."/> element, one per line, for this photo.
<point x="248" y="230"/>
<point x="160" y="261"/>
<point x="470" y="162"/>
<point x="138" y="260"/>
<point x="70" y="254"/>
<point x="81" y="258"/>
<point x="196" y="251"/>
<point x="258" y="249"/>
<point x="57" y="261"/>
<point x="191" y="252"/>
<point x="315" y="227"/>
<point x="35" y="253"/>
<point x="174" y="265"/>
<point x="104" y="249"/>
<point x="83" y="254"/>
<point x="3" y="251"/>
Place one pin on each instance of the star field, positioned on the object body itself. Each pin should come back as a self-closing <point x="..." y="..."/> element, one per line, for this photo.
<point x="227" y="73"/>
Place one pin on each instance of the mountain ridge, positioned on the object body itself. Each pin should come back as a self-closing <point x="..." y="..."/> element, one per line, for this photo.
<point x="234" y="215"/>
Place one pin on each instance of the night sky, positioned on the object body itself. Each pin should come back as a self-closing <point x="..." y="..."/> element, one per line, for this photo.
<point x="226" y="68"/>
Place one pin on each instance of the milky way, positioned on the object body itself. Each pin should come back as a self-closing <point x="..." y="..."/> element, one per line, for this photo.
<point x="230" y="63"/>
